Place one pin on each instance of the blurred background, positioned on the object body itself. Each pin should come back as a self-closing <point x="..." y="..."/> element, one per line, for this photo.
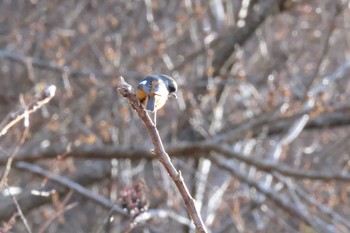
<point x="259" y="130"/>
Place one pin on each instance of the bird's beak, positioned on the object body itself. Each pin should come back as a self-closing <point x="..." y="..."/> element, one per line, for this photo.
<point x="173" y="95"/>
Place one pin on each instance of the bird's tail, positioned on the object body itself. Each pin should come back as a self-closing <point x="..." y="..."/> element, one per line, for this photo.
<point x="151" y="104"/>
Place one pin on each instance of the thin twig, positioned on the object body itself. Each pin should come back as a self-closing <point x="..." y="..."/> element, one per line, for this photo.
<point x="43" y="98"/>
<point x="126" y="91"/>
<point x="56" y="215"/>
<point x="282" y="203"/>
<point x="3" y="180"/>
<point x="30" y="199"/>
<point x="105" y="220"/>
<point x="323" y="48"/>
<point x="72" y="185"/>
<point x="50" y="66"/>
<point x="19" y="210"/>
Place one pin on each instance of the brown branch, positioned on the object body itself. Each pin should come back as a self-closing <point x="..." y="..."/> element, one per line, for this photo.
<point x="96" y="172"/>
<point x="43" y="98"/>
<point x="126" y="91"/>
<point x="312" y="201"/>
<point x="277" y="123"/>
<point x="192" y="150"/>
<point x="71" y="185"/>
<point x="40" y="100"/>
<point x="241" y="34"/>
<point x="50" y="66"/>
<point x="324" y="47"/>
<point x="283" y="203"/>
<point x="224" y="46"/>
<point x="20" y="213"/>
<point x="283" y="169"/>
<point x="159" y="214"/>
<point x="56" y="215"/>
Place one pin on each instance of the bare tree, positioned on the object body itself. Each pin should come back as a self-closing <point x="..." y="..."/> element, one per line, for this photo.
<point x="259" y="131"/>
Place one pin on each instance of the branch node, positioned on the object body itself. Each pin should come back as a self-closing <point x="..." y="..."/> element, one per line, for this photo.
<point x="178" y="177"/>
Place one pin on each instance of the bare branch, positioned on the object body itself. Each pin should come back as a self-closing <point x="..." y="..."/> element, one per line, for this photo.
<point x="72" y="185"/>
<point x="31" y="199"/>
<point x="40" y="100"/>
<point x="126" y="91"/>
<point x="43" y="98"/>
<point x="328" y="31"/>
<point x="242" y="33"/>
<point x="56" y="215"/>
<point x="20" y="213"/>
<point x="193" y="150"/>
<point x="279" y="201"/>
<point x="49" y="65"/>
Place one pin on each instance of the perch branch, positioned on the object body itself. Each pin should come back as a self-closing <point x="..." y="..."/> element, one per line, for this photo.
<point x="126" y="91"/>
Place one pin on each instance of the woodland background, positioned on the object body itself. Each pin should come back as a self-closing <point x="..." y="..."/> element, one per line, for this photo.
<point x="259" y="131"/>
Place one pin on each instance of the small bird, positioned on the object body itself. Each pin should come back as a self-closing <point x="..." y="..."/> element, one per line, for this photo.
<point x="153" y="91"/>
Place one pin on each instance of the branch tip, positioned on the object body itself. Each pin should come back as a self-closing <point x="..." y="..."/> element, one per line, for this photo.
<point x="50" y="91"/>
<point x="123" y="87"/>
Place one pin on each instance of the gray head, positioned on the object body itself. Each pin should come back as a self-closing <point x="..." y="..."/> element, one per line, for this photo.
<point x="170" y="83"/>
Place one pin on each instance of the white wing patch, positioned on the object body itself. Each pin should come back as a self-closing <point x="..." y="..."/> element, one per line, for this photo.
<point x="143" y="82"/>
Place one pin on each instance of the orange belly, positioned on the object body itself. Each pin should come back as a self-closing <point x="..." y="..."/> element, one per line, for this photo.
<point x="142" y="96"/>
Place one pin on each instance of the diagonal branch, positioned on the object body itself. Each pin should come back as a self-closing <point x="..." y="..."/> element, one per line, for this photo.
<point x="282" y="203"/>
<point x="126" y="91"/>
<point x="31" y="199"/>
<point x="43" y="98"/>
<point x="240" y="35"/>
<point x="50" y="65"/>
<point x="81" y="190"/>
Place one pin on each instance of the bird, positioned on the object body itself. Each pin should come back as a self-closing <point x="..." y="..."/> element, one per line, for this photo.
<point x="154" y="90"/>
